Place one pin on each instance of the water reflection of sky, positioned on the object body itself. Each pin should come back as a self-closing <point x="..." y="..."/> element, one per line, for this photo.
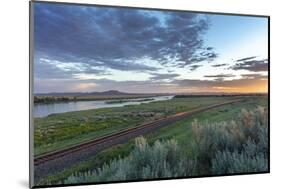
<point x="42" y="110"/>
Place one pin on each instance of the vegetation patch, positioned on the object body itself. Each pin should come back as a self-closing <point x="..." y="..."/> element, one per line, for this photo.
<point x="236" y="146"/>
<point x="182" y="132"/>
<point x="63" y="130"/>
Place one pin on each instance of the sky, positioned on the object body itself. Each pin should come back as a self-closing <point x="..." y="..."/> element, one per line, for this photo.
<point x="87" y="49"/>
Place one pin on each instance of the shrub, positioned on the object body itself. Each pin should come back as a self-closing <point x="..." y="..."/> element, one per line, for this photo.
<point x="161" y="160"/>
<point x="212" y="137"/>
<point x="235" y="146"/>
<point x="248" y="160"/>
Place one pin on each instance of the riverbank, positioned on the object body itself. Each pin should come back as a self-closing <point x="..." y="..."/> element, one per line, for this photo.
<point x="179" y="131"/>
<point x="42" y="99"/>
<point x="62" y="130"/>
<point x="43" y="110"/>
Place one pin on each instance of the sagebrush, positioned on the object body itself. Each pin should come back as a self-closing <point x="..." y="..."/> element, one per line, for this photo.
<point x="161" y="160"/>
<point x="236" y="146"/>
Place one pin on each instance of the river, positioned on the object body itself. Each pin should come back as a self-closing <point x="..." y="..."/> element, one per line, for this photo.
<point x="42" y="110"/>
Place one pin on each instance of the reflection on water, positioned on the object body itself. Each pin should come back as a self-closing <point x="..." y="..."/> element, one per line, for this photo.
<point x="42" y="110"/>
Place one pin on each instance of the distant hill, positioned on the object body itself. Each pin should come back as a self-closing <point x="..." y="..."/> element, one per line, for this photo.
<point x="110" y="92"/>
<point x="104" y="93"/>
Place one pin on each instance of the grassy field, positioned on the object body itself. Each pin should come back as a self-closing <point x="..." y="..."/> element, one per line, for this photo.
<point x="115" y="119"/>
<point x="66" y="98"/>
<point x="63" y="130"/>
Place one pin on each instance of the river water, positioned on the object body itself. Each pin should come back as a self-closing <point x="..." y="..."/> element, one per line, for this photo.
<point x="42" y="110"/>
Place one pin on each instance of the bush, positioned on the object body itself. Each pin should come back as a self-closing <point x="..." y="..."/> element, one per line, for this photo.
<point x="235" y="146"/>
<point x="161" y="160"/>
<point x="238" y="146"/>
<point x="248" y="160"/>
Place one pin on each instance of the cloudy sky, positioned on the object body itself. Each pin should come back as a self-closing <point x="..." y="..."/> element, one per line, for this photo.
<point x="83" y="49"/>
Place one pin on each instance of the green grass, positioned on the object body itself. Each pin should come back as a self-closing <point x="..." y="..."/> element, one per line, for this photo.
<point x="60" y="131"/>
<point x="180" y="131"/>
<point x="218" y="148"/>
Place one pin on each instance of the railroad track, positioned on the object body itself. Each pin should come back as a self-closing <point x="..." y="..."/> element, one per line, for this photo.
<point x="45" y="158"/>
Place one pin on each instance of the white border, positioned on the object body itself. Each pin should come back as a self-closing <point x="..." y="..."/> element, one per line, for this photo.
<point x="15" y="88"/>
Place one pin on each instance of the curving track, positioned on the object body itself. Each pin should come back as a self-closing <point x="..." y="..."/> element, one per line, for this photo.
<point x="119" y="137"/>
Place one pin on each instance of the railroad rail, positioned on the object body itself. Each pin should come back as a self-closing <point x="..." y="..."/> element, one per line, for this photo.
<point x="45" y="158"/>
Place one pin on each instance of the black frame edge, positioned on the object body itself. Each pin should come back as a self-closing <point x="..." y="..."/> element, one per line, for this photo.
<point x="31" y="35"/>
<point x="150" y="8"/>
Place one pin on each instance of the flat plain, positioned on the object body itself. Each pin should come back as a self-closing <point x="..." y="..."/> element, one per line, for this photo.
<point x="60" y="131"/>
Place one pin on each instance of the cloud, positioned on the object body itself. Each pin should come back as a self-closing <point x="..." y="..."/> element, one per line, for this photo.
<point x="251" y="65"/>
<point x="194" y="67"/>
<point x="214" y="83"/>
<point x="46" y="68"/>
<point x="248" y="83"/>
<point x="220" y="76"/>
<point x="166" y="76"/>
<point x="254" y="76"/>
<point x="245" y="84"/>
<point x="219" y="65"/>
<point x="245" y="59"/>
<point x="71" y="85"/>
<point x="118" y="38"/>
